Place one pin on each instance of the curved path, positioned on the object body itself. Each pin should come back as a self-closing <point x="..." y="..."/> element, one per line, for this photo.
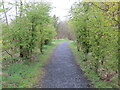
<point x="62" y="70"/>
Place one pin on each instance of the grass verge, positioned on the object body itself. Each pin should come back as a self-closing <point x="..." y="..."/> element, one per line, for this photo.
<point x="25" y="74"/>
<point x="90" y="74"/>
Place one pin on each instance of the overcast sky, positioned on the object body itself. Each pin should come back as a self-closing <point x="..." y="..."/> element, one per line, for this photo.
<point x="61" y="7"/>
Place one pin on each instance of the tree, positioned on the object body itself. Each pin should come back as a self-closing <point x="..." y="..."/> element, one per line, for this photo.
<point x="96" y="27"/>
<point x="31" y="27"/>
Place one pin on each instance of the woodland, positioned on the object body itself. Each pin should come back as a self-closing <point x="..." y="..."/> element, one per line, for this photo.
<point x="26" y="41"/>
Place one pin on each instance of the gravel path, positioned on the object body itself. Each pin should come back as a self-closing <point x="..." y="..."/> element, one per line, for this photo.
<point x="62" y="71"/>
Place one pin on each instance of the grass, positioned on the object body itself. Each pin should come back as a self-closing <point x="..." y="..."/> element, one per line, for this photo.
<point x="26" y="74"/>
<point x="90" y="74"/>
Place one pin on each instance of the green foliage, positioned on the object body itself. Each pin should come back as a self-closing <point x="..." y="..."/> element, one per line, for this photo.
<point x="31" y="28"/>
<point x="24" y="39"/>
<point x="90" y="73"/>
<point x="97" y="36"/>
<point x="25" y="74"/>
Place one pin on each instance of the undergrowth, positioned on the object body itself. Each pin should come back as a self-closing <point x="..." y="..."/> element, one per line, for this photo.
<point x="89" y="73"/>
<point x="24" y="74"/>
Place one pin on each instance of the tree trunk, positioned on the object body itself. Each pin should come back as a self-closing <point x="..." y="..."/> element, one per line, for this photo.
<point x="97" y="66"/>
<point x="21" y="51"/>
<point x="41" y="48"/>
<point x="5" y="13"/>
